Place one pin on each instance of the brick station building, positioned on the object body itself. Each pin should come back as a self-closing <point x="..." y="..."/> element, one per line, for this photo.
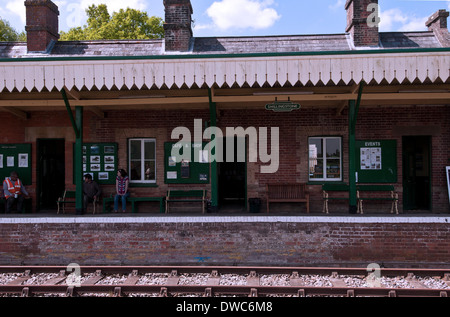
<point x="367" y="107"/>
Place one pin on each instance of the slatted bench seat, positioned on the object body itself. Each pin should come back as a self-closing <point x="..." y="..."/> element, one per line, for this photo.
<point x="362" y="191"/>
<point x="328" y="188"/>
<point x="186" y="196"/>
<point x="68" y="197"/>
<point x="287" y="193"/>
<point x="133" y="201"/>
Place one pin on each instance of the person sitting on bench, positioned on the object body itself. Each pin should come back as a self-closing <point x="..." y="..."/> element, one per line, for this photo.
<point x="14" y="190"/>
<point x="91" y="191"/>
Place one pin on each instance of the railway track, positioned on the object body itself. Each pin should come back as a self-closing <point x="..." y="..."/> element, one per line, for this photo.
<point x="207" y="281"/>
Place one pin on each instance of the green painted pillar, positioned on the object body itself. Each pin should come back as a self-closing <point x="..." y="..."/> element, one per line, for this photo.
<point x="353" y="107"/>
<point x="352" y="157"/>
<point x="78" y="164"/>
<point x="77" y="124"/>
<point x="214" y="175"/>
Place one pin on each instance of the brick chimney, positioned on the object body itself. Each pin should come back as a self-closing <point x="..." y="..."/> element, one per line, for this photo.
<point x="178" y="25"/>
<point x="437" y="23"/>
<point x="41" y="24"/>
<point x="362" y="33"/>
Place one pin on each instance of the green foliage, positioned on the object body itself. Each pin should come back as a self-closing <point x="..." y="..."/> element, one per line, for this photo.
<point x="7" y="33"/>
<point x="123" y="25"/>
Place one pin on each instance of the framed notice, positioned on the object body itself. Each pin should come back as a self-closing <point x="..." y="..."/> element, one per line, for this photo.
<point x="447" y="172"/>
<point x="100" y="160"/>
<point x="377" y="161"/>
<point x="16" y="157"/>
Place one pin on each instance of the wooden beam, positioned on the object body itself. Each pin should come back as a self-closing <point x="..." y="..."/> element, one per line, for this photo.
<point x="17" y="112"/>
<point x="104" y="102"/>
<point x="72" y="93"/>
<point x="354" y="90"/>
<point x="97" y="111"/>
<point x="415" y="98"/>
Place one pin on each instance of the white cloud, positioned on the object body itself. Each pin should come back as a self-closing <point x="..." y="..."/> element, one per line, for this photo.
<point x="339" y="4"/>
<point x="17" y="8"/>
<point x="115" y="5"/>
<point x="397" y="20"/>
<point x="242" y="14"/>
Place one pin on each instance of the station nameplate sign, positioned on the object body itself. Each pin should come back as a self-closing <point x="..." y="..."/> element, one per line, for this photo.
<point x="282" y="106"/>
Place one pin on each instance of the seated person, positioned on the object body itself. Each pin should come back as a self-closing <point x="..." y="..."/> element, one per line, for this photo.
<point x="14" y="191"/>
<point x="91" y="191"/>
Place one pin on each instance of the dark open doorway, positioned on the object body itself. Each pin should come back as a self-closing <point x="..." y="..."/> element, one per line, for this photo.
<point x="416" y="173"/>
<point x="232" y="177"/>
<point x="50" y="172"/>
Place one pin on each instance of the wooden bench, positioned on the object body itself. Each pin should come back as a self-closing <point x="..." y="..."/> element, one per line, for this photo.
<point x="287" y="193"/>
<point x="68" y="197"/>
<point x="134" y="200"/>
<point x="327" y="188"/>
<point x="186" y="196"/>
<point x="393" y="196"/>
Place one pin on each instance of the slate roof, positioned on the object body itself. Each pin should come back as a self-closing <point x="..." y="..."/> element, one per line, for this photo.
<point x="223" y="45"/>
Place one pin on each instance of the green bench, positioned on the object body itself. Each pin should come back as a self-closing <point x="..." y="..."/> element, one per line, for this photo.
<point x="133" y="201"/>
<point x="68" y="197"/>
<point x="186" y="196"/>
<point x="360" y="197"/>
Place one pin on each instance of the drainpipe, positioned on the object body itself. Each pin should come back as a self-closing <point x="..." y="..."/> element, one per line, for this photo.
<point x="352" y="119"/>
<point x="214" y="178"/>
<point x="77" y="124"/>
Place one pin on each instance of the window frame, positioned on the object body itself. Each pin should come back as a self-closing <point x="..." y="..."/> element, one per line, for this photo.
<point x="324" y="158"/>
<point x="142" y="181"/>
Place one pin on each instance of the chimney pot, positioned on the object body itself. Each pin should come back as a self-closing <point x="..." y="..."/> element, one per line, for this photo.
<point x="437" y="23"/>
<point x="41" y="24"/>
<point x="358" y="14"/>
<point x="178" y="25"/>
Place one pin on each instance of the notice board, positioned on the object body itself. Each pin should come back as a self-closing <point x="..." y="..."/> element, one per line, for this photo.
<point x="99" y="160"/>
<point x="16" y="157"/>
<point x="193" y="170"/>
<point x="376" y="161"/>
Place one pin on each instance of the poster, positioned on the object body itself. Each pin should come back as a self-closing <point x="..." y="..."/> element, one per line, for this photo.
<point x="23" y="160"/>
<point x="371" y="158"/>
<point x="10" y="161"/>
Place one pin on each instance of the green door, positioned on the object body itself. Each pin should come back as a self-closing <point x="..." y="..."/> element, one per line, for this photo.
<point x="416" y="173"/>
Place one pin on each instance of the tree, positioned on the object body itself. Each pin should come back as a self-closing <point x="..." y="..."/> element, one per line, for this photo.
<point x="7" y="33"/>
<point x="125" y="24"/>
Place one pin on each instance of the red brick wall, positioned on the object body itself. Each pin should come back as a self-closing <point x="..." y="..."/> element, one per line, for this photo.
<point x="295" y="128"/>
<point x="286" y="244"/>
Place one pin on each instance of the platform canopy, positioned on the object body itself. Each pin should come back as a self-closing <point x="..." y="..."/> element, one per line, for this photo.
<point x="239" y="80"/>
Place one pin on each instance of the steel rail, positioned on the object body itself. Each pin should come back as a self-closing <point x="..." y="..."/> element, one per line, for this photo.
<point x="442" y="272"/>
<point x="213" y="289"/>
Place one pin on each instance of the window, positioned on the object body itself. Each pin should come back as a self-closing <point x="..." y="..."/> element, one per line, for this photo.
<point x="325" y="159"/>
<point x="142" y="160"/>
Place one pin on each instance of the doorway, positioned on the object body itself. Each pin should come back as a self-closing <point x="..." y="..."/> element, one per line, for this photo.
<point x="50" y="172"/>
<point x="416" y="173"/>
<point x="232" y="176"/>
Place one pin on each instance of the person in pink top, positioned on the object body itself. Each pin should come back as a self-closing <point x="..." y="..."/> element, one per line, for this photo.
<point x="122" y="193"/>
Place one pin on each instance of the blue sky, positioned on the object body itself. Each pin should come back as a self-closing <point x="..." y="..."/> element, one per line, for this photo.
<point x="250" y="17"/>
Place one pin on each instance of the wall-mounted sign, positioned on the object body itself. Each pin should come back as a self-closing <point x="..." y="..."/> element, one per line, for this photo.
<point x="282" y="106"/>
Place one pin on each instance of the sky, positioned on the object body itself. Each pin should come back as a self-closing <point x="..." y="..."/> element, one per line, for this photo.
<point x="250" y="17"/>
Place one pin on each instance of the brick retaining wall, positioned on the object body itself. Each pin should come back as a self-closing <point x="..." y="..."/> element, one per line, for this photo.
<point x="225" y="243"/>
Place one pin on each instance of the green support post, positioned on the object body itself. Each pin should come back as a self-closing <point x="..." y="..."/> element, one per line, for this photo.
<point x="214" y="178"/>
<point x="352" y="119"/>
<point x="77" y="124"/>
<point x="351" y="158"/>
<point x="79" y="161"/>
